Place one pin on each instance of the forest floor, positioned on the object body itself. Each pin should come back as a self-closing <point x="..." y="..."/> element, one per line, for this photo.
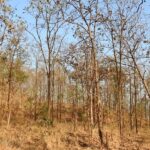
<point x="30" y="136"/>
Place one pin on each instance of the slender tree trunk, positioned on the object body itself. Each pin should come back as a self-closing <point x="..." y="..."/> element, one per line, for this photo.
<point x="60" y="104"/>
<point x="36" y="91"/>
<point x="149" y="115"/>
<point x="131" y="104"/>
<point x="135" y="100"/>
<point x="9" y="91"/>
<point x="49" y="95"/>
<point x="145" y="108"/>
<point x="53" y="93"/>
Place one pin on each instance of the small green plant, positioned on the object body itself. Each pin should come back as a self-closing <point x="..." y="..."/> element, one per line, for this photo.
<point x="45" y="122"/>
<point x="81" y="116"/>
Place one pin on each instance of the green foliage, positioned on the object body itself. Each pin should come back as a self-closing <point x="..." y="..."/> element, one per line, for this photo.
<point x="81" y="115"/>
<point x="28" y="103"/>
<point x="19" y="74"/>
<point x="42" y="113"/>
<point x="46" y="122"/>
<point x="3" y="65"/>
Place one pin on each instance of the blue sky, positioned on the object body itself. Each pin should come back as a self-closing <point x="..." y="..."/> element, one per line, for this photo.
<point x="20" y="5"/>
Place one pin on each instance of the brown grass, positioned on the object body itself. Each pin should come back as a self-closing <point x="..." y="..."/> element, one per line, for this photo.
<point x="32" y="136"/>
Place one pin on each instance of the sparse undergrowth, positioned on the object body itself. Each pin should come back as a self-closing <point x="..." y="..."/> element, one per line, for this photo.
<point x="63" y="137"/>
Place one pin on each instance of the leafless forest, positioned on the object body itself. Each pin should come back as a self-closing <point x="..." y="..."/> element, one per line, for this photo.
<point x="75" y="74"/>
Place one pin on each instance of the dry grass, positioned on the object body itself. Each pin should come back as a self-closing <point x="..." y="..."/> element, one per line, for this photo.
<point x="31" y="136"/>
<point x="34" y="137"/>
